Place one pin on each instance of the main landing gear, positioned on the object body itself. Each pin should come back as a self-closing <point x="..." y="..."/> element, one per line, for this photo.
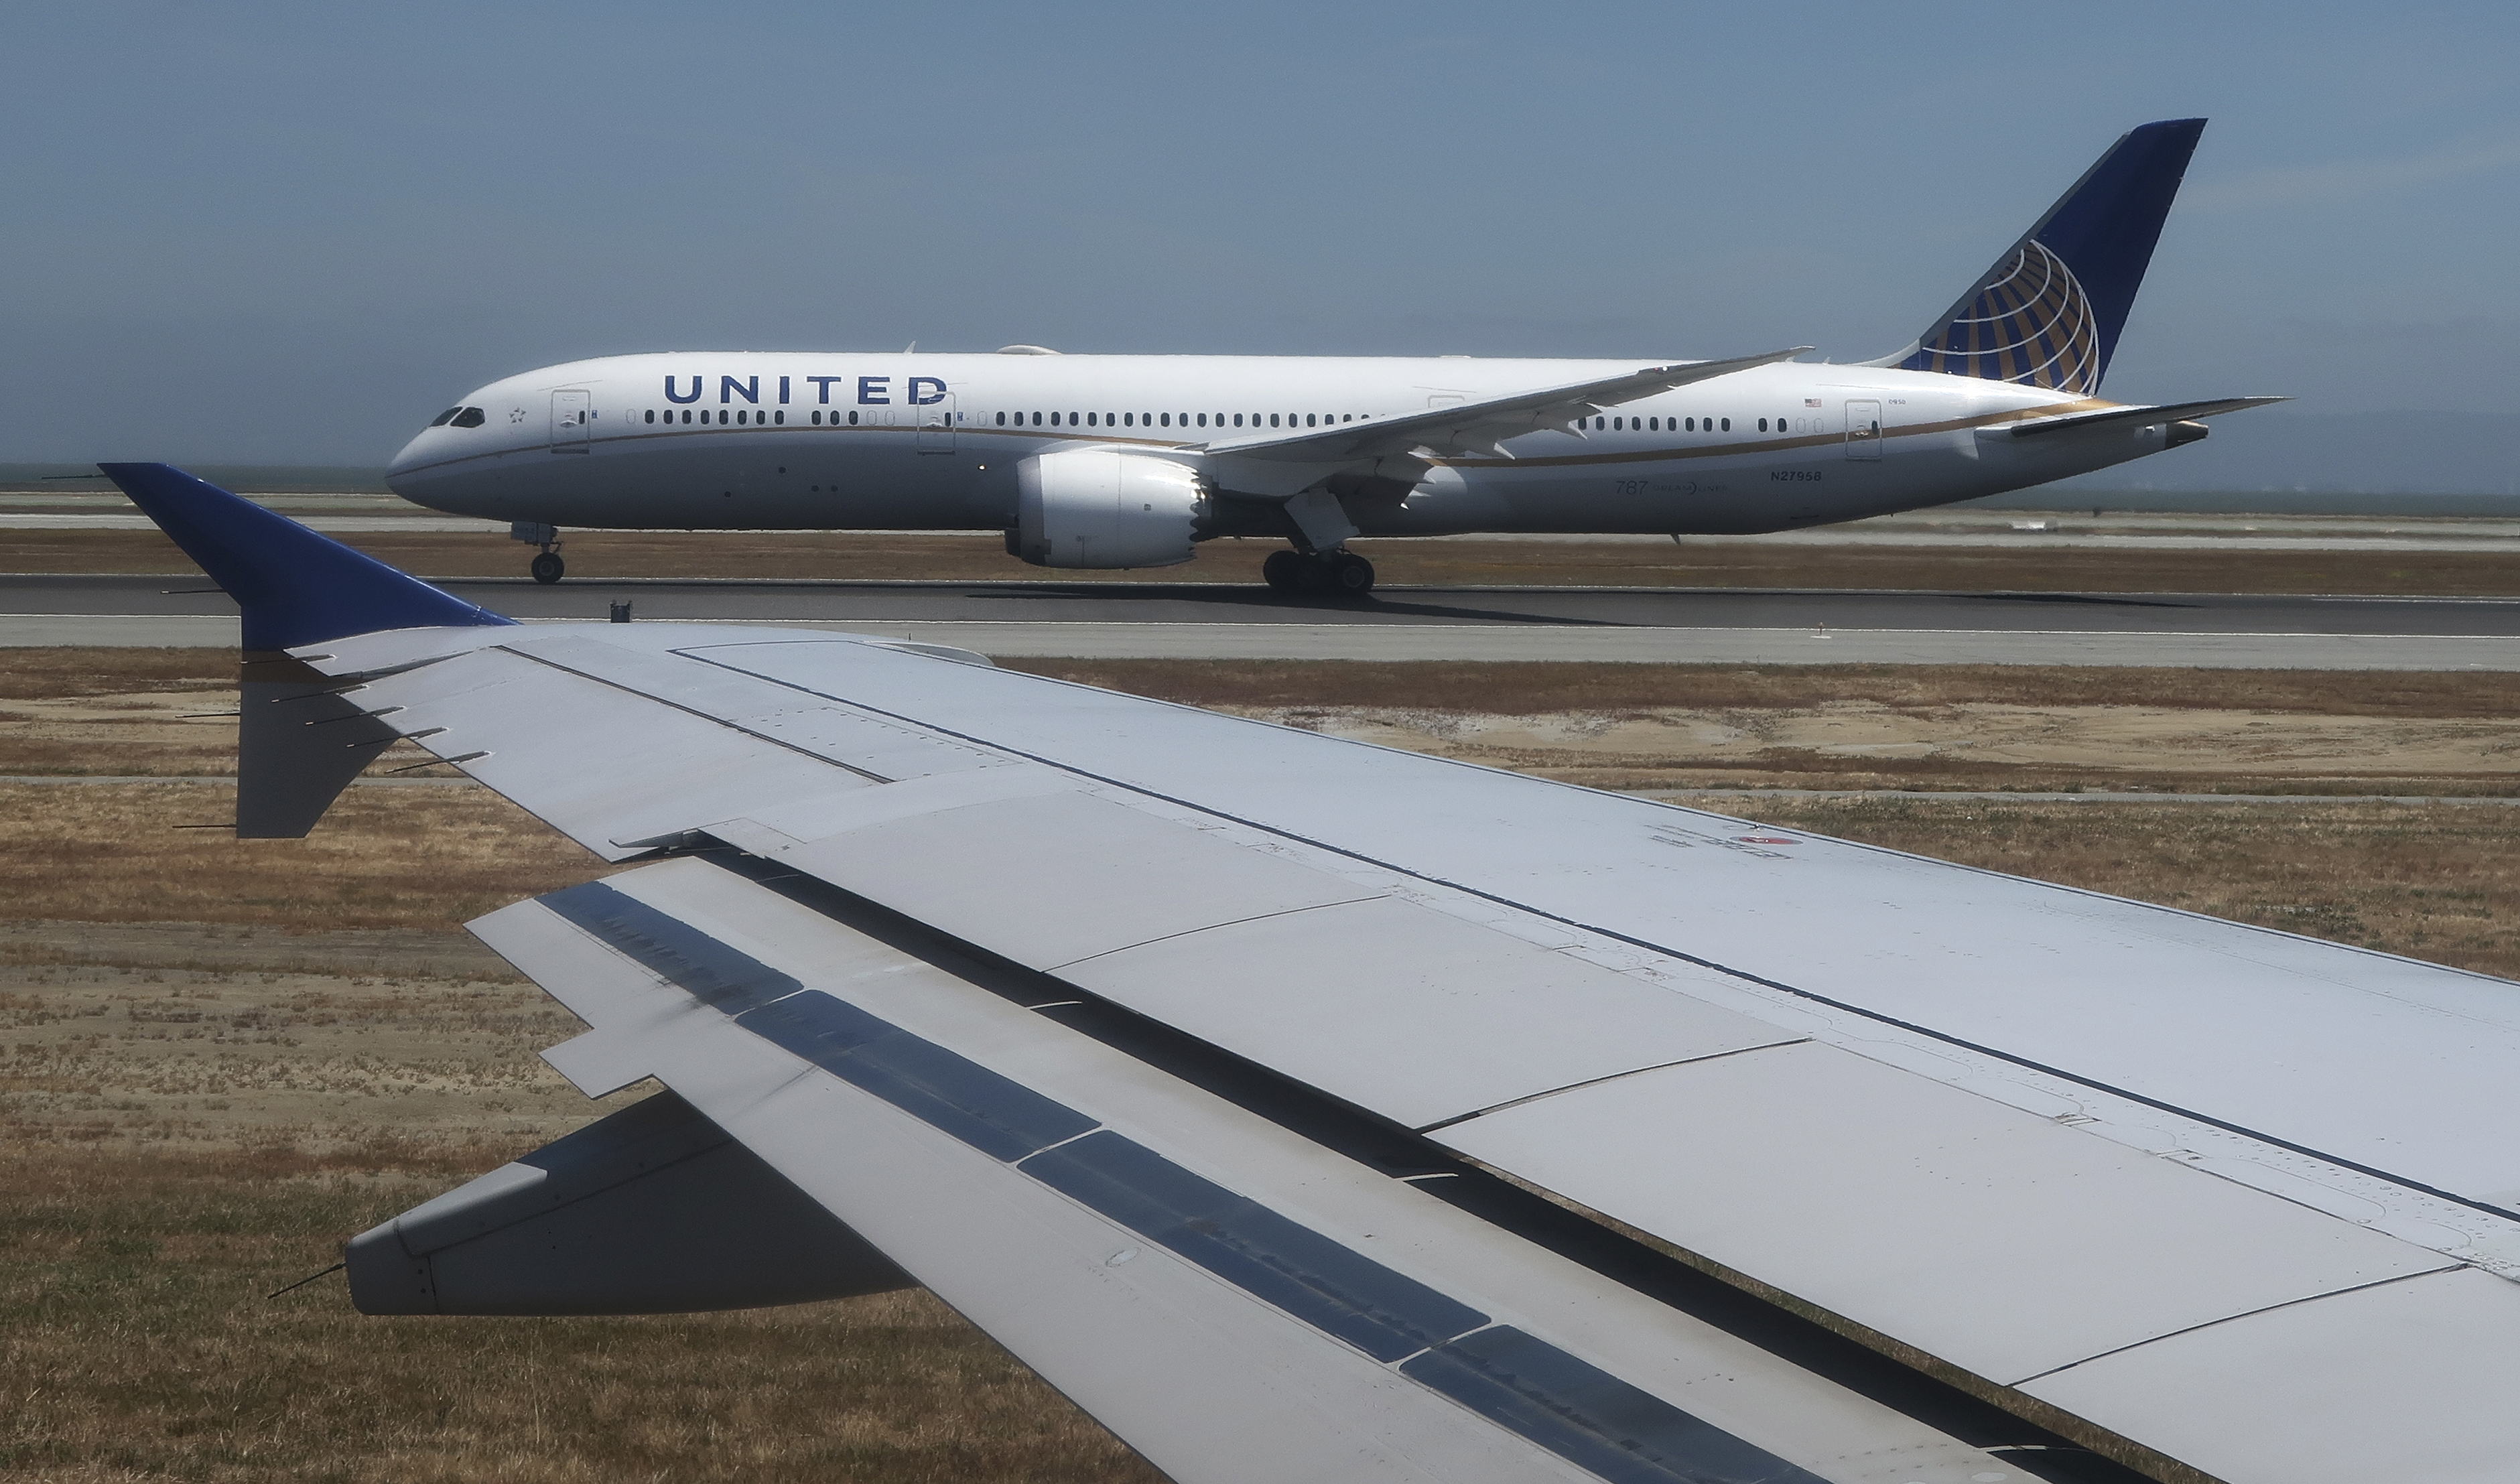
<point x="1341" y="573"/>
<point x="545" y="567"/>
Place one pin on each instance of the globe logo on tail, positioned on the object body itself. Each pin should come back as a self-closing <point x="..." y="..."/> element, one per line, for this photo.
<point x="2031" y="324"/>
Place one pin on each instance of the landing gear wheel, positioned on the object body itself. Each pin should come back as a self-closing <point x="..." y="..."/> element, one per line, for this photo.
<point x="1283" y="570"/>
<point x="548" y="567"/>
<point x="1351" y="575"/>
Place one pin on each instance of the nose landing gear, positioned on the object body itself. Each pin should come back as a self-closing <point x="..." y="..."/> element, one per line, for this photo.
<point x="545" y="567"/>
<point x="1340" y="572"/>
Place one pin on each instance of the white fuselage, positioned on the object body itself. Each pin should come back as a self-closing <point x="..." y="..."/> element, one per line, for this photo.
<point x="916" y="441"/>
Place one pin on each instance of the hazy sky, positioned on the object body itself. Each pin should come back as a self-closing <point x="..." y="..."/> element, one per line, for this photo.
<point x="291" y="233"/>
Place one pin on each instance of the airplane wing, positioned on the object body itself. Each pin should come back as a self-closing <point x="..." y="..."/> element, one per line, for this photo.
<point x="1306" y="1109"/>
<point x="1481" y="426"/>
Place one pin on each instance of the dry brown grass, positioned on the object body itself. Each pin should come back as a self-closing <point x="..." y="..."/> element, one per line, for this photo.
<point x="136" y="1343"/>
<point x="383" y="858"/>
<point x="72" y="673"/>
<point x="1949" y="728"/>
<point x="1503" y="561"/>
<point x="1519" y="688"/>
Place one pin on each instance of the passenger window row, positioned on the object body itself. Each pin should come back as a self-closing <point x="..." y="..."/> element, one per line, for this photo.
<point x="472" y="417"/>
<point x="1676" y="424"/>
<point x="741" y="415"/>
<point x="1174" y="418"/>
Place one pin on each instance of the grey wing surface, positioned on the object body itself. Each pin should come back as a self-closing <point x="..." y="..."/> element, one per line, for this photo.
<point x="1304" y="1108"/>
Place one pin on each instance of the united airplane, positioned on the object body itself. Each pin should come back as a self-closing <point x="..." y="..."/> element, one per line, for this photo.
<point x="1311" y="1110"/>
<point x="1095" y="460"/>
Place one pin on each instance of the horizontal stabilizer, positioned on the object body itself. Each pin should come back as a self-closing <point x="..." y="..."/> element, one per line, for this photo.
<point x="2138" y="417"/>
<point x="294" y="586"/>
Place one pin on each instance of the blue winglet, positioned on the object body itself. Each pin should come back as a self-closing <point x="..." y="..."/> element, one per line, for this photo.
<point x="296" y="587"/>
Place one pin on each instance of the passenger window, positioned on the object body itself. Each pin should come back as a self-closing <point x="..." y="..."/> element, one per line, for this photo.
<point x="1168" y="420"/>
<point x="1692" y="425"/>
<point x="468" y="417"/>
<point x="1727" y="424"/>
<point x="853" y="419"/>
<point x="1763" y="424"/>
<point x="652" y="415"/>
<point x="1238" y="419"/>
<point x="779" y="418"/>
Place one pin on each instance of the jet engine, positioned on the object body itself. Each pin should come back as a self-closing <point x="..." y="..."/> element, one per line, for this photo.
<point x="1101" y="508"/>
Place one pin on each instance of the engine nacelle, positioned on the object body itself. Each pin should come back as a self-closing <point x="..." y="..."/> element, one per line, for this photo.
<point x="1100" y="508"/>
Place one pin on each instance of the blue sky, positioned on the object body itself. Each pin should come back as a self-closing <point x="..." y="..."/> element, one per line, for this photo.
<point x="290" y="234"/>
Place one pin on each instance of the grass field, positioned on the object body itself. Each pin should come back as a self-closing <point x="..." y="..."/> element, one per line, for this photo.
<point x="1474" y="562"/>
<point x="222" y="1058"/>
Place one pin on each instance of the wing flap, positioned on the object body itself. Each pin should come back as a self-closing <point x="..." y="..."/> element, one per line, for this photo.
<point x="1236" y="1300"/>
<point x="2001" y="1241"/>
<point x="2402" y="1381"/>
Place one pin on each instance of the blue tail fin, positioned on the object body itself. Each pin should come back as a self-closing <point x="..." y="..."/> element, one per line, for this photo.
<point x="2049" y="312"/>
<point x="294" y="587"/>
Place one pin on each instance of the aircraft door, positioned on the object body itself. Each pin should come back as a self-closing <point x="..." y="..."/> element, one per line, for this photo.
<point x="572" y="418"/>
<point x="1864" y="429"/>
<point x="936" y="425"/>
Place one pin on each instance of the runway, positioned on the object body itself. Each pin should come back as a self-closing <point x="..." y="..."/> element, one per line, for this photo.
<point x="1226" y="621"/>
<point x="1938" y="528"/>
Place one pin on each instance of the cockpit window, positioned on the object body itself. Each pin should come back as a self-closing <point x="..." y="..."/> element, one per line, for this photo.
<point x="444" y="418"/>
<point x="466" y="417"/>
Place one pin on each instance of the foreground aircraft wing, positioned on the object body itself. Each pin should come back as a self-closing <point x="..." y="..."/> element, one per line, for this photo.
<point x="1480" y="426"/>
<point x="1309" y="1109"/>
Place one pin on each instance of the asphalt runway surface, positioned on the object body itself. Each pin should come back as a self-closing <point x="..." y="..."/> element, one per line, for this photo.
<point x="1220" y="621"/>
